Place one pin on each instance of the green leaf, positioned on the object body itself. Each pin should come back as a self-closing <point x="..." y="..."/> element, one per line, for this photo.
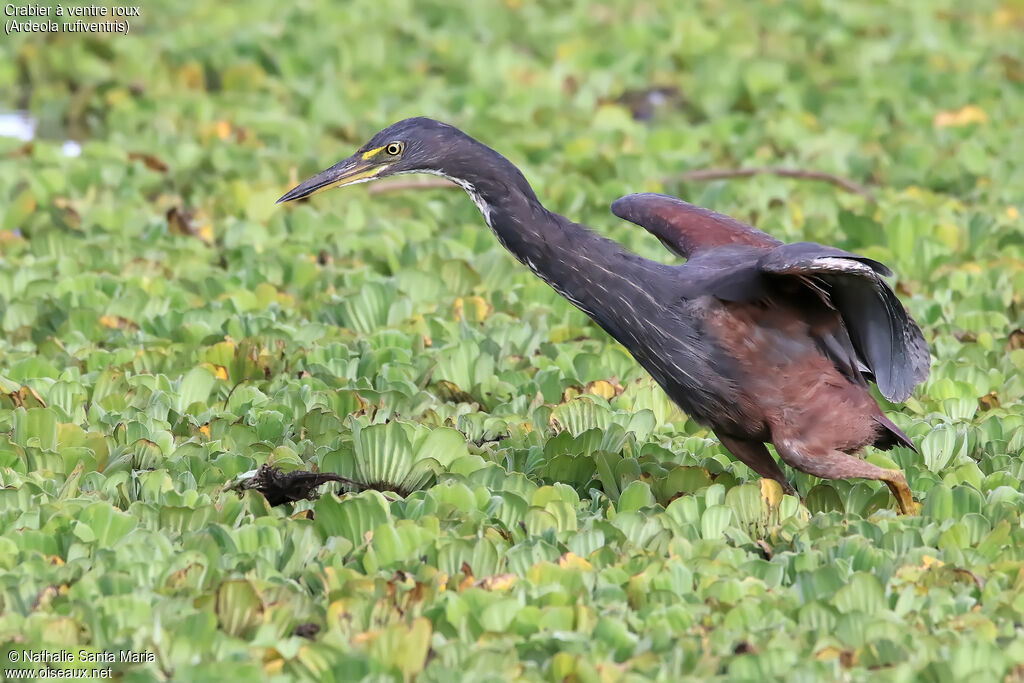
<point x="351" y="518"/>
<point x="403" y="647"/>
<point x="239" y="608"/>
<point x="107" y="524"/>
<point x="938" y="447"/>
<point x="35" y="427"/>
<point x="862" y="593"/>
<point x="442" y="444"/>
<point x="635" y="496"/>
<point x="715" y="520"/>
<point x="195" y="387"/>
<point x="824" y="498"/>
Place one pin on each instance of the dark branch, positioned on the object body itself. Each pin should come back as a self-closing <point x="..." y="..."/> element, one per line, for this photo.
<point x="288" y="487"/>
<point x="701" y="174"/>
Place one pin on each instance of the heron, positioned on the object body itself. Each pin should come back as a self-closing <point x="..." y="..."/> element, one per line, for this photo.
<point x="761" y="341"/>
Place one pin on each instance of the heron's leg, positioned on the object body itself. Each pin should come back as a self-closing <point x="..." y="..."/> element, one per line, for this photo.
<point x="754" y="455"/>
<point x="833" y="464"/>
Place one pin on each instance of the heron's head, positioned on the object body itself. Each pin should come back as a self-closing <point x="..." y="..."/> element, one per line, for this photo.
<point x="409" y="146"/>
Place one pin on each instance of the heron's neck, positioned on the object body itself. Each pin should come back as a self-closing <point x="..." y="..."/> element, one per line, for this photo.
<point x="592" y="272"/>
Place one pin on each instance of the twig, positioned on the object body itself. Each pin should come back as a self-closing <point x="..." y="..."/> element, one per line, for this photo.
<point x="799" y="173"/>
<point x="402" y="185"/>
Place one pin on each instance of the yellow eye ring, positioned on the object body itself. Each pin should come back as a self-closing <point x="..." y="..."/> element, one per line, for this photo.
<point x="394" y="148"/>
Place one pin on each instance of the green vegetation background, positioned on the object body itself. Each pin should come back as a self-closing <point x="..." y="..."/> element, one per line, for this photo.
<point x="165" y="328"/>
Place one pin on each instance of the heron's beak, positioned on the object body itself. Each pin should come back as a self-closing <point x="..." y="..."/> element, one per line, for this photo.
<point x="353" y="170"/>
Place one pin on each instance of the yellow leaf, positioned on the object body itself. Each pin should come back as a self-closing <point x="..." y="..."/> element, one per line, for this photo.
<point x="928" y="562"/>
<point x="827" y="653"/>
<point x="960" y="117"/>
<point x="365" y="637"/>
<point x="275" y="666"/>
<point x="223" y="130"/>
<point x="191" y="76"/>
<point x="220" y="372"/>
<point x="771" y="492"/>
<point x="205" y="431"/>
<point x="573" y="561"/>
<point x="115" y="322"/>
<point x="498" y="582"/>
<point x="563" y="667"/>
<point x="602" y="388"/>
<point x="473" y="308"/>
<point x="1012" y="213"/>
<point x="1005" y="17"/>
<point x="337" y="612"/>
<point x="205" y="233"/>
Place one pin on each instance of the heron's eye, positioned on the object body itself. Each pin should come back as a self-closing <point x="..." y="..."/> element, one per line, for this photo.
<point x="394" y="148"/>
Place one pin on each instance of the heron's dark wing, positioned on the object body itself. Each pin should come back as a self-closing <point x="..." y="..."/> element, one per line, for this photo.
<point x="887" y="341"/>
<point x="685" y="229"/>
<point x="794" y="257"/>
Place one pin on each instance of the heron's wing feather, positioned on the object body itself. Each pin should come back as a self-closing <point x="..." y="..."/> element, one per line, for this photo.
<point x="800" y="256"/>
<point x="887" y="345"/>
<point x="686" y="229"/>
<point x="885" y="337"/>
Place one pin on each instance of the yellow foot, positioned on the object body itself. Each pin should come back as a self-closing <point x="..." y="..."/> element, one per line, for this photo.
<point x="897" y="483"/>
